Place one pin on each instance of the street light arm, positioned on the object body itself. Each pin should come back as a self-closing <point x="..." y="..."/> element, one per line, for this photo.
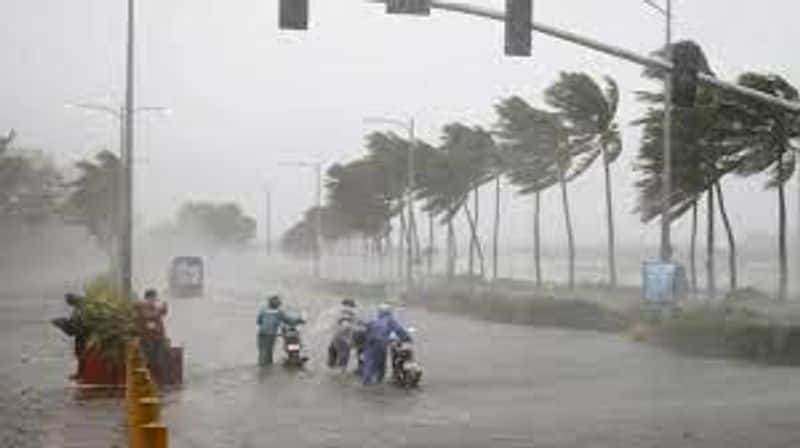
<point x="162" y="109"/>
<point x="95" y="107"/>
<point x="656" y="6"/>
<point x="391" y="121"/>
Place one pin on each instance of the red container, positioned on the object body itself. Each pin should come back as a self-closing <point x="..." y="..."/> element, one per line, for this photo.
<point x="100" y="371"/>
<point x="97" y="370"/>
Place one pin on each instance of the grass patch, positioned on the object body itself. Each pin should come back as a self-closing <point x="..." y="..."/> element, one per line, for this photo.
<point x="529" y="307"/>
<point x="727" y="331"/>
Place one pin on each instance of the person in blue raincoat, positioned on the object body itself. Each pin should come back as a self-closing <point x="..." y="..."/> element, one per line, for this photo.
<point x="270" y="319"/>
<point x="379" y="332"/>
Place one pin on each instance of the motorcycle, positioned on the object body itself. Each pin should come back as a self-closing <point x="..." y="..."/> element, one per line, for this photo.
<point x="406" y="372"/>
<point x="293" y="347"/>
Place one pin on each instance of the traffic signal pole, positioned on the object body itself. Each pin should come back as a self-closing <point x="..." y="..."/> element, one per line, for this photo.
<point x="614" y="51"/>
<point x="666" y="191"/>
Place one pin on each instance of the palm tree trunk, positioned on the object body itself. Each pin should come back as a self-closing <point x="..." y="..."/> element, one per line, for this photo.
<point x="734" y="275"/>
<point x="568" y="225"/>
<point x="474" y="232"/>
<point x="710" y="275"/>
<point x="496" y="237"/>
<point x="537" y="239"/>
<point x="401" y="247"/>
<point x="430" y="243"/>
<point x="693" y="248"/>
<point x="451" y="249"/>
<point x="471" y="262"/>
<point x="783" y="279"/>
<point x="612" y="255"/>
<point x="379" y="249"/>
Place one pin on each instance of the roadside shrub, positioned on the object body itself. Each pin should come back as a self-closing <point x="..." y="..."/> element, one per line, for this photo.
<point x="538" y="307"/>
<point x="728" y="331"/>
<point x="109" y="319"/>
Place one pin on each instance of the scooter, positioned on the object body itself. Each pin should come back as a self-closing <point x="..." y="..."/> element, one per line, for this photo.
<point x="406" y="372"/>
<point x="293" y="347"/>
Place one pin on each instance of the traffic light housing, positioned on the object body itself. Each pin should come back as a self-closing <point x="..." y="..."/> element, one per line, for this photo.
<point x="293" y="15"/>
<point x="412" y="7"/>
<point x="519" y="15"/>
<point x="687" y="58"/>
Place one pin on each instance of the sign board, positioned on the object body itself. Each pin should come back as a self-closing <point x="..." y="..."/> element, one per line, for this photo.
<point x="663" y="282"/>
<point x="413" y="7"/>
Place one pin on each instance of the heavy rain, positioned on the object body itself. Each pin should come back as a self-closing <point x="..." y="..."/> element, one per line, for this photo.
<point x="399" y="223"/>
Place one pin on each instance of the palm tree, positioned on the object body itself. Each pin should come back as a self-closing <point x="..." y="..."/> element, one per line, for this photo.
<point x="766" y="137"/>
<point x="93" y="200"/>
<point x="546" y="148"/>
<point x="703" y="153"/>
<point x="450" y="173"/>
<point x="590" y="111"/>
<point x="532" y="169"/>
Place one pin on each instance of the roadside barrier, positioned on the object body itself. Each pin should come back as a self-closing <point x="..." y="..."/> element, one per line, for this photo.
<point x="143" y="405"/>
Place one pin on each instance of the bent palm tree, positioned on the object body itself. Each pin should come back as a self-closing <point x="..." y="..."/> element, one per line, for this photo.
<point x="591" y="110"/>
<point x="766" y="137"/>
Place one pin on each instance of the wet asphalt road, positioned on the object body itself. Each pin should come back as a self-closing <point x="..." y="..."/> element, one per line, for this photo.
<point x="485" y="385"/>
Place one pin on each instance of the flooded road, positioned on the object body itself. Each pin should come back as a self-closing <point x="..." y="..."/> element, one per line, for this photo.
<point x="485" y="384"/>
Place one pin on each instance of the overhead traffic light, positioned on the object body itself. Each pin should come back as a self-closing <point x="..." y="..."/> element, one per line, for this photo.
<point x="293" y="15"/>
<point x="687" y="59"/>
<point x="519" y="15"/>
<point x="413" y="7"/>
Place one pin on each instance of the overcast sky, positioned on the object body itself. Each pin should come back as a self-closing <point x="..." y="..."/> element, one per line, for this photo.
<point x="245" y="96"/>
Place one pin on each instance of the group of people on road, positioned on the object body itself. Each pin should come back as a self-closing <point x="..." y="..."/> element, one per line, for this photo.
<point x="150" y="328"/>
<point x="369" y="339"/>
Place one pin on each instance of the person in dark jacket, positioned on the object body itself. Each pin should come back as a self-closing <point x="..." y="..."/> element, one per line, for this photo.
<point x="270" y="320"/>
<point x="73" y="326"/>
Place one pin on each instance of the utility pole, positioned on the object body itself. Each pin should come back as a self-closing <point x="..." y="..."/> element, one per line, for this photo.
<point x="412" y="228"/>
<point x="411" y="238"/>
<point x="318" y="224"/>
<point x="127" y="226"/>
<point x="666" y="219"/>
<point x="120" y="210"/>
<point x="268" y="224"/>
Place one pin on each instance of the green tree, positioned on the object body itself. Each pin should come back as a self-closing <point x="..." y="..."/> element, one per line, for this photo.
<point x="448" y="175"/>
<point x="546" y="149"/>
<point x="93" y="199"/>
<point x="222" y="223"/>
<point x="767" y="139"/>
<point x="590" y="111"/>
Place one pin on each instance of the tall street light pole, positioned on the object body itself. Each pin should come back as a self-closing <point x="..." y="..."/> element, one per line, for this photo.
<point x="666" y="191"/>
<point x="411" y="231"/>
<point x="268" y="224"/>
<point x="127" y="230"/>
<point x="119" y="115"/>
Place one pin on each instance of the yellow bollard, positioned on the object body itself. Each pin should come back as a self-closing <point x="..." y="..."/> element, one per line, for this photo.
<point x="150" y="386"/>
<point x="140" y="388"/>
<point x="154" y="435"/>
<point x="149" y="410"/>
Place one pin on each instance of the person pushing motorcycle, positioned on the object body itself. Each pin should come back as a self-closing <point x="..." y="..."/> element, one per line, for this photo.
<point x="378" y="335"/>
<point x="269" y="321"/>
